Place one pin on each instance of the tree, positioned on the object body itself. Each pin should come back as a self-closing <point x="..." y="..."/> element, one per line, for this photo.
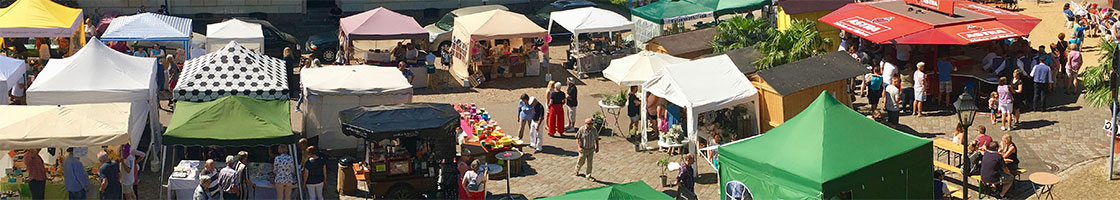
<point x="739" y="32"/>
<point x="800" y="41"/>
<point x="1096" y="78"/>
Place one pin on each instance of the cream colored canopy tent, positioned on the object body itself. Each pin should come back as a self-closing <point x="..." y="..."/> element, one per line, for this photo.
<point x="331" y="89"/>
<point x="245" y="33"/>
<point x="78" y="125"/>
<point x="489" y="25"/>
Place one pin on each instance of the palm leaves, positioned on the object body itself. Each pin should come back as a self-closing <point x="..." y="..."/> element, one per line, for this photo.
<point x="798" y="42"/>
<point x="1096" y="78"/>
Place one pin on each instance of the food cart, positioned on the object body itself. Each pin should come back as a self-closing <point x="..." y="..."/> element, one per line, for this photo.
<point x="409" y="148"/>
<point x="602" y="28"/>
<point x="493" y="44"/>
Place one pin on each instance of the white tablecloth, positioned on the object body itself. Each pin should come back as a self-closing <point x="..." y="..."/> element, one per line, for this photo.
<point x="183" y="188"/>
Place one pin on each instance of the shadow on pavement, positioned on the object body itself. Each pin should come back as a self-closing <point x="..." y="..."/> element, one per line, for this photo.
<point x="548" y="149"/>
<point x="907" y="129"/>
<point x="1035" y="124"/>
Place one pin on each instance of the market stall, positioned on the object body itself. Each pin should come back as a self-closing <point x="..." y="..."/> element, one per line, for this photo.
<point x="99" y="74"/>
<point x="631" y="190"/>
<point x="484" y="138"/>
<point x="824" y="152"/>
<point x="650" y="20"/>
<point x="150" y="27"/>
<point x="636" y="69"/>
<point x="228" y="121"/>
<point x="331" y="89"/>
<point x="409" y="148"/>
<point x="11" y="74"/>
<point x="247" y="34"/>
<point x="789" y="88"/>
<point x="233" y="70"/>
<point x="379" y="24"/>
<point x="42" y="18"/>
<point x="491" y="44"/>
<point x="51" y="126"/>
<point x="689" y="85"/>
<point x="593" y="56"/>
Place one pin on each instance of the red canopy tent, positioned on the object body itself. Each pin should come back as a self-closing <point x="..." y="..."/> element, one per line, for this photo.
<point x="897" y="22"/>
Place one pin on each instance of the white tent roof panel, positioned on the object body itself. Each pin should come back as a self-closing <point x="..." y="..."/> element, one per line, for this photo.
<point x="591" y="20"/>
<point x="704" y="85"/>
<point x="359" y="79"/>
<point x="25" y="127"/>
<point x="149" y="27"/>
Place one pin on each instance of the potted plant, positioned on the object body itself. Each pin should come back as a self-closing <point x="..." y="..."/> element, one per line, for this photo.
<point x="664" y="163"/>
<point x="617" y="100"/>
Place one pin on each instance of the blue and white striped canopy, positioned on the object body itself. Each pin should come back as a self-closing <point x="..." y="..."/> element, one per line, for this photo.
<point x="148" y="27"/>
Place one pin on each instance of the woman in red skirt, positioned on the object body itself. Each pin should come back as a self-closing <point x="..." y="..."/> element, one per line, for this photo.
<point x="556" y="111"/>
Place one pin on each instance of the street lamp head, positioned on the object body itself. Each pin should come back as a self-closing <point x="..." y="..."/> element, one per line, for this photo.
<point x="966" y="109"/>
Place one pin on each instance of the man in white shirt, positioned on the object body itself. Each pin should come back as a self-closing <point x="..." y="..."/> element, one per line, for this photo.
<point x="890" y="102"/>
<point x="17" y="92"/>
<point x="889" y="69"/>
<point x="411" y="53"/>
<point x="129" y="171"/>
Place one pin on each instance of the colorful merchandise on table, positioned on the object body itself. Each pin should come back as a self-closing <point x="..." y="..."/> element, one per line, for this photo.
<point x="482" y="129"/>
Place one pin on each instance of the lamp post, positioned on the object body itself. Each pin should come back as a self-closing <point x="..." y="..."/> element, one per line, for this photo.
<point x="966" y="113"/>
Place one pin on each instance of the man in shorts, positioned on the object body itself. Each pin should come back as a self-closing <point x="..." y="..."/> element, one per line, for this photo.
<point x="633" y="104"/>
<point x="993" y="170"/>
<point x="945" y="80"/>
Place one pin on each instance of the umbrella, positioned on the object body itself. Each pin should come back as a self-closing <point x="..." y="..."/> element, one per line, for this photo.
<point x="638" y="68"/>
<point x="631" y="190"/>
<point x="901" y="23"/>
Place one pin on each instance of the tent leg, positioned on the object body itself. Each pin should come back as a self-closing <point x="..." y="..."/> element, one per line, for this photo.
<point x="642" y="125"/>
<point x="694" y="141"/>
<point x="163" y="161"/>
<point x="298" y="175"/>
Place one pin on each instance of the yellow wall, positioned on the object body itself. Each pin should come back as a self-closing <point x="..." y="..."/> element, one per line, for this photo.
<point x="827" y="31"/>
<point x="776" y="109"/>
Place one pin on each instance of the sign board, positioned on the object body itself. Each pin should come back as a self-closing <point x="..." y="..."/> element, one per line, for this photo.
<point x="943" y="6"/>
<point x="863" y="27"/>
<point x="980" y="34"/>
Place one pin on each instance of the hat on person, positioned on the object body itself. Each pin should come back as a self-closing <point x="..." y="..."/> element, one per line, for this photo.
<point x="532" y="100"/>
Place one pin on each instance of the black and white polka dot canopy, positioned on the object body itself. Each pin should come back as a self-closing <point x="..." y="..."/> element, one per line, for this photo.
<point x="233" y="70"/>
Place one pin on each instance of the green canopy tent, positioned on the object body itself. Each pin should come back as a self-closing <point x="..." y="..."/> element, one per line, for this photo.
<point x="649" y="19"/>
<point x="626" y="191"/>
<point x="230" y="121"/>
<point x="826" y="150"/>
<point x="723" y="7"/>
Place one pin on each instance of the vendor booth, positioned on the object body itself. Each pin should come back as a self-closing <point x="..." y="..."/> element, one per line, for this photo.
<point x="247" y="34"/>
<point x="593" y="56"/>
<point x="689" y="85"/>
<point x="965" y="31"/>
<point x="331" y="89"/>
<point x="228" y="121"/>
<point x="53" y="126"/>
<point x="12" y="72"/>
<point x="825" y="152"/>
<point x="233" y="70"/>
<point x="636" y="69"/>
<point x="409" y="148"/>
<point x="99" y="74"/>
<point x="491" y="44"/>
<point x="786" y="90"/>
<point x="631" y="190"/>
<point x="150" y="27"/>
<point x="379" y="24"/>
<point x="42" y="18"/>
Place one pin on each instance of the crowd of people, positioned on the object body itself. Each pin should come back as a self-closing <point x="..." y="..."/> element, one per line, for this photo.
<point x="233" y="182"/>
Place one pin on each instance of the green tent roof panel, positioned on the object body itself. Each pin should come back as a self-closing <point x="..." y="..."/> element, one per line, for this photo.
<point x="230" y="121"/>
<point x="826" y="149"/>
<point x="637" y="190"/>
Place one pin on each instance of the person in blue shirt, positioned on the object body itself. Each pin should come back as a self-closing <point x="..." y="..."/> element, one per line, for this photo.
<point x="75" y="174"/>
<point x="944" y="79"/>
<point x="1045" y="57"/>
<point x="1070" y="17"/>
<point x="524" y="112"/>
<point x="1042" y="82"/>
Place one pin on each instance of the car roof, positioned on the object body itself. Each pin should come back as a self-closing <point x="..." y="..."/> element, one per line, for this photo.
<point x="476" y="9"/>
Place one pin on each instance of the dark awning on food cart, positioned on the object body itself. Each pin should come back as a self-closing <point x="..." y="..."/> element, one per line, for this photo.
<point x="400" y="120"/>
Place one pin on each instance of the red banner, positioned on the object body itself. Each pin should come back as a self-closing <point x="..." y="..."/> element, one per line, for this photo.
<point x="943" y="6"/>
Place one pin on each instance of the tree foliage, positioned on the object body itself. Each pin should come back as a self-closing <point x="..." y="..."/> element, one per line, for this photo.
<point x="1096" y="78"/>
<point x="800" y="41"/>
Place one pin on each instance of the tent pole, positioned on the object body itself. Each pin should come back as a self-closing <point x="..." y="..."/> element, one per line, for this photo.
<point x="693" y="142"/>
<point x="298" y="175"/>
<point x="642" y="126"/>
<point x="163" y="160"/>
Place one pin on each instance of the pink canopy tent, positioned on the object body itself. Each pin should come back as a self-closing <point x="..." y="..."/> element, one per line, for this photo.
<point x="379" y="24"/>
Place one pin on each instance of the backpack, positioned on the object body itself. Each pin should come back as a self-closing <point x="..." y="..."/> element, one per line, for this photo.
<point x="473" y="184"/>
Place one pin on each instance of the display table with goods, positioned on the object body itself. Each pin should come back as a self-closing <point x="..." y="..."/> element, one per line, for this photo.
<point x="14" y="184"/>
<point x="602" y="31"/>
<point x="409" y="148"/>
<point x="484" y="139"/>
<point x="588" y="61"/>
<point x="185" y="178"/>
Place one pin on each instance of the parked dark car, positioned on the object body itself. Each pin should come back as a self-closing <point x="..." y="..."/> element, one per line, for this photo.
<point x="274" y="40"/>
<point x="323" y="45"/>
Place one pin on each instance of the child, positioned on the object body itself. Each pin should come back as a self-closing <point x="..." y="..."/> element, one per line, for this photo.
<point x="993" y="103"/>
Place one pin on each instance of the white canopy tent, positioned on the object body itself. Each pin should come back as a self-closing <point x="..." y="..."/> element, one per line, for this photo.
<point x="11" y="73"/>
<point x="79" y="125"/>
<point x="331" y="89"/>
<point x="590" y="20"/>
<point x="149" y="27"/>
<point x="98" y="74"/>
<point x="700" y="86"/>
<point x="247" y="34"/>
<point x="636" y="69"/>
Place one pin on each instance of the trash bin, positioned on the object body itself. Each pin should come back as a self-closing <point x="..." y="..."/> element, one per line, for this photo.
<point x="347" y="182"/>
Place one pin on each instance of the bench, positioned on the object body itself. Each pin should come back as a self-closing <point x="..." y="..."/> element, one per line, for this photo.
<point x="947" y="167"/>
<point x="948" y="146"/>
<point x="955" y="192"/>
